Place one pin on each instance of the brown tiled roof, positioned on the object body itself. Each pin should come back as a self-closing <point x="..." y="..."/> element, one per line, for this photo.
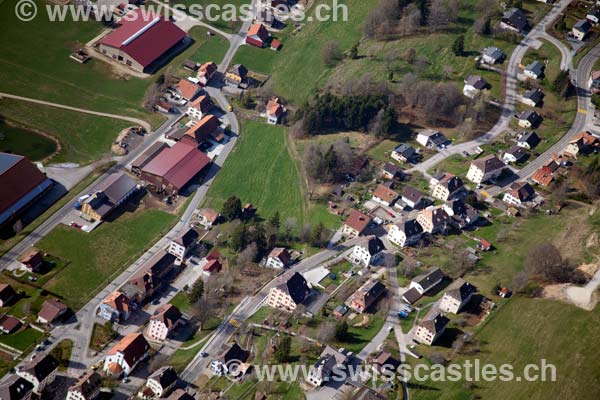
<point x="211" y="215"/>
<point x="87" y="384"/>
<point x="213" y="265"/>
<point x="168" y="315"/>
<point x="118" y="301"/>
<point x="51" y="309"/>
<point x="203" y="128"/>
<point x="358" y="221"/>
<point x="188" y="89"/>
<point x="543" y="176"/>
<point x="385" y="194"/>
<point x="281" y="253"/>
<point x="133" y="347"/>
<point x="9" y="323"/>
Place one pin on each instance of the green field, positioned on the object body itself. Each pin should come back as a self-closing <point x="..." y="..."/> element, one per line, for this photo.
<point x="261" y="171"/>
<point x="255" y="59"/>
<point x="17" y="140"/>
<point x="23" y="340"/>
<point x="35" y="63"/>
<point x="96" y="257"/>
<point x="83" y="138"/>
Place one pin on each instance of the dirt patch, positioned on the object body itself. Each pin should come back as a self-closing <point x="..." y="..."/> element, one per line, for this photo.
<point x="569" y="240"/>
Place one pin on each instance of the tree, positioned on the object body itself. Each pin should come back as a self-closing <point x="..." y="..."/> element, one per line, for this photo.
<point x="232" y="208"/>
<point x="239" y="237"/>
<point x="326" y="331"/>
<point x="546" y="261"/>
<point x="458" y="47"/>
<point x="248" y="255"/>
<point x="197" y="291"/>
<point x="317" y="234"/>
<point x="202" y="311"/>
<point x="341" y="331"/>
<point x="354" y="51"/>
<point x="562" y="83"/>
<point x="410" y="56"/>
<point x="288" y="228"/>
<point x="282" y="352"/>
<point x="275" y="220"/>
<point x="331" y="53"/>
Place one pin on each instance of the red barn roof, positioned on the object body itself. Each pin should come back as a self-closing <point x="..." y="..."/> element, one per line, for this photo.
<point x="144" y="36"/>
<point x="178" y="164"/>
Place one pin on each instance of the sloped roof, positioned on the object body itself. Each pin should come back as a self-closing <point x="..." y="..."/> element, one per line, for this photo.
<point x="435" y="325"/>
<point x="15" y="388"/>
<point x="87" y="384"/>
<point x="357" y="220"/>
<point x="168" y="315"/>
<point x="488" y="163"/>
<point x="51" y="309"/>
<point x="430" y="278"/>
<point x="133" y="347"/>
<point x="165" y="376"/>
<point x="385" y="194"/>
<point x="41" y="366"/>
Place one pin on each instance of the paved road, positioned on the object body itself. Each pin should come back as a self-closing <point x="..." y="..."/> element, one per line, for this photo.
<point x="136" y="121"/>
<point x="510" y="98"/>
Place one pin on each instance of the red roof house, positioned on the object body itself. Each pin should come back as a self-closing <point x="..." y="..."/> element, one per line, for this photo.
<point x="212" y="266"/>
<point x="206" y="72"/>
<point x="543" y="176"/>
<point x="276" y="44"/>
<point x="174" y="167"/>
<point x="207" y="126"/>
<point x="257" y="35"/>
<point x="141" y="40"/>
<point x="188" y="89"/>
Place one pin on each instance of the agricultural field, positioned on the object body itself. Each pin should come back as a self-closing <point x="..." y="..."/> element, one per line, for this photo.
<point x="83" y="138"/>
<point x="45" y="71"/>
<point x="203" y="49"/>
<point x="261" y="171"/>
<point x="19" y="140"/>
<point x="97" y="257"/>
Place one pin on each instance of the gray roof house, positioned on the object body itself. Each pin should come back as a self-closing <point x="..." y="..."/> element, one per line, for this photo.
<point x="492" y="55"/>
<point x="424" y="282"/>
<point x="528" y="140"/>
<point x="534" y="70"/>
<point x="516" y="20"/>
<point x="532" y="97"/>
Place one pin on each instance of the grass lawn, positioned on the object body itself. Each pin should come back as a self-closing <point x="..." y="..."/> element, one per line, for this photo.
<point x="181" y="301"/>
<point x="455" y="164"/>
<point x="18" y="140"/>
<point x="359" y="337"/>
<point x="62" y="352"/>
<point x="255" y="59"/>
<point x="83" y="138"/>
<point x="260" y="170"/>
<point x="98" y="256"/>
<point x="41" y="68"/>
<point x="23" y="340"/>
<point x="102" y="335"/>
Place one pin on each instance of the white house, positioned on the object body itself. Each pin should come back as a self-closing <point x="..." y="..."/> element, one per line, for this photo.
<point x="161" y="324"/>
<point x="123" y="357"/>
<point x="454" y="300"/>
<point x="432" y="139"/>
<point x="329" y="360"/>
<point x="424" y="282"/>
<point x="183" y="243"/>
<point x="403" y="153"/>
<point x="198" y="108"/>
<point x="86" y="388"/>
<point x="475" y="84"/>
<point x="367" y="253"/>
<point x="275" y="110"/>
<point x="519" y="193"/>
<point x="581" y="29"/>
<point x="429" y="331"/>
<point x="528" y="119"/>
<point x="485" y="168"/>
<point x="514" y="154"/>
<point x="447" y="186"/>
<point x="40" y="371"/>
<point x="278" y="258"/>
<point x="535" y="70"/>
<point x="286" y="296"/>
<point x="384" y="195"/>
<point x="412" y="197"/>
<point x="492" y="55"/>
<point x="115" y="307"/>
<point x="162" y="381"/>
<point x="405" y="233"/>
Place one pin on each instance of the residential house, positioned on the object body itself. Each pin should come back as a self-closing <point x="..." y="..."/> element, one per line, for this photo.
<point x="519" y="193"/>
<point x="221" y="364"/>
<point x="515" y="154"/>
<point x="52" y="310"/>
<point x="183" y="243"/>
<point x="454" y="300"/>
<point x="275" y="111"/>
<point x="162" y="381"/>
<point x="581" y="144"/>
<point x="429" y="331"/>
<point x="257" y="35"/>
<point x="278" y="258"/>
<point x="7" y="294"/>
<point x="581" y="29"/>
<point x="207" y="127"/>
<point x="485" y="168"/>
<point x="432" y="139"/>
<point x="114" y="191"/>
<point x="16" y="388"/>
<point x="9" y="324"/>
<point x="412" y="197"/>
<point x="532" y="97"/>
<point x="340" y="310"/>
<point x="405" y="233"/>
<point x="200" y="107"/>
<point x="515" y="20"/>
<point x="207" y="217"/>
<point x="593" y="15"/>
<point x="535" y="70"/>
<point x="475" y="84"/>
<point x="164" y="107"/>
<point x="166" y="319"/>
<point x="123" y="357"/>
<point x="355" y="224"/>
<point x="180" y="394"/>
<point x="287" y="295"/>
<point x="212" y="267"/>
<point x="384" y="195"/>
<point x="543" y="176"/>
<point x="446" y="187"/>
<point x="594" y="82"/>
<point x="237" y="75"/>
<point x="87" y="387"/>
<point x="115" y="307"/>
<point x="206" y="72"/>
<point x="329" y="361"/>
<point x="187" y="89"/>
<point x="366" y="296"/>
<point x="462" y="215"/>
<point x="32" y="260"/>
<point x="143" y="41"/>
<point x="40" y="372"/>
<point x="528" y="140"/>
<point x="424" y="282"/>
<point x="492" y="55"/>
<point x="391" y="171"/>
<point x="529" y="119"/>
<point x="403" y="153"/>
<point x="385" y="363"/>
<point x="367" y="253"/>
<point x="150" y="278"/>
<point x="434" y="220"/>
<point x="276" y="44"/>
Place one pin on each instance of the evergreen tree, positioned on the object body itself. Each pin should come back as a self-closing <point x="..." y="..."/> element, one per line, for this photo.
<point x="282" y="352"/>
<point x="197" y="291"/>
<point x="458" y="47"/>
<point x="232" y="208"/>
<point x="341" y="331"/>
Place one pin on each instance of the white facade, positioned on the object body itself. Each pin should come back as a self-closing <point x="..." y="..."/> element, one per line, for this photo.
<point x="195" y="113"/>
<point x="361" y="255"/>
<point x="275" y="262"/>
<point x="281" y="300"/>
<point x="177" y="250"/>
<point x="398" y="237"/>
<point x="38" y="386"/>
<point x="157" y="330"/>
<point x="476" y="175"/>
<point x="453" y="305"/>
